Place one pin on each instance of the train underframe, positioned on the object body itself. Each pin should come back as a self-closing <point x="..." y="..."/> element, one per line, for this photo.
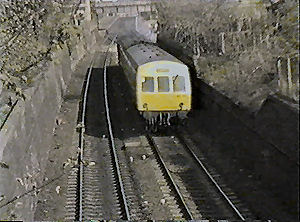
<point x="155" y="119"/>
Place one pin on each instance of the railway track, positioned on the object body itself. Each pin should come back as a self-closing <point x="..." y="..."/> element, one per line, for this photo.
<point x="123" y="200"/>
<point x="237" y="207"/>
<point x="95" y="187"/>
<point x="183" y="190"/>
<point x="144" y="177"/>
<point x="200" y="190"/>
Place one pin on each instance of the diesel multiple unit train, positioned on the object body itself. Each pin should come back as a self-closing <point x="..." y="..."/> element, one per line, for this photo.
<point x="160" y="83"/>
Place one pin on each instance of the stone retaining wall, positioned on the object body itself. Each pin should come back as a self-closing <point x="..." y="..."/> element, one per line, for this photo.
<point x="276" y="121"/>
<point x="26" y="135"/>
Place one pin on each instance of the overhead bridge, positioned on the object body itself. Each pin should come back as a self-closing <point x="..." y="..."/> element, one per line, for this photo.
<point x="123" y="8"/>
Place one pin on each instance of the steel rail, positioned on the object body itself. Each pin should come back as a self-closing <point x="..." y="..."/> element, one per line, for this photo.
<point x="82" y="131"/>
<point x="212" y="179"/>
<point x="152" y="143"/>
<point x="111" y="133"/>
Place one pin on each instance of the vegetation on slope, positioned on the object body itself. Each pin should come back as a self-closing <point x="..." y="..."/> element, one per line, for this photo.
<point x="30" y="32"/>
<point x="236" y="45"/>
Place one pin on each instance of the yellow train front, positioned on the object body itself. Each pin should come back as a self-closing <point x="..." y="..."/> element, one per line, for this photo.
<point x="160" y="82"/>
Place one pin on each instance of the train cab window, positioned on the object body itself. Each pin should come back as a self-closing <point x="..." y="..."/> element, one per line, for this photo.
<point x="178" y="84"/>
<point x="148" y="84"/>
<point x="163" y="84"/>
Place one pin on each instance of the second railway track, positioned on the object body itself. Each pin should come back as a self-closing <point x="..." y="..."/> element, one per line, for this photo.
<point x="95" y="188"/>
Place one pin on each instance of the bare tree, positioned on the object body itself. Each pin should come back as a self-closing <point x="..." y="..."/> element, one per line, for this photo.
<point x="235" y="46"/>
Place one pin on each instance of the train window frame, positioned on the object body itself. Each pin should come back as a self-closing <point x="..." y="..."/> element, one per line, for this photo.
<point x="178" y="77"/>
<point x="152" y="90"/>
<point x="168" y="83"/>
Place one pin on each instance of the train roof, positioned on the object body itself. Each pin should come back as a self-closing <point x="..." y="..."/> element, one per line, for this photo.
<point x="130" y="39"/>
<point x="144" y="53"/>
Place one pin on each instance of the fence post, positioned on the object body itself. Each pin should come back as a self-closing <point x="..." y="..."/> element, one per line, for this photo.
<point x="268" y="41"/>
<point x="222" y="42"/>
<point x="238" y="42"/>
<point x="1" y="86"/>
<point x="254" y="40"/>
<point x="136" y="23"/>
<point x="88" y="10"/>
<point x="236" y="76"/>
<point x="260" y="38"/>
<point x="289" y="75"/>
<point x="282" y="83"/>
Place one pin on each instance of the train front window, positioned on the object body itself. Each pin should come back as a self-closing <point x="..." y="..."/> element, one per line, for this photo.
<point x="163" y="84"/>
<point x="178" y="84"/>
<point x="148" y="84"/>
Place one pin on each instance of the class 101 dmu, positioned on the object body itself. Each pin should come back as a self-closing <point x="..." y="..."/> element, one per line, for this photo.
<point x="160" y="82"/>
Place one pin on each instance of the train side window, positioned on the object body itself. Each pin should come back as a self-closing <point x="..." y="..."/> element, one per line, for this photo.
<point x="163" y="84"/>
<point x="148" y="84"/>
<point x="178" y="84"/>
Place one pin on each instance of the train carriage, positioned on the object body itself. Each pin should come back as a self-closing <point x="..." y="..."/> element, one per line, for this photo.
<point x="160" y="82"/>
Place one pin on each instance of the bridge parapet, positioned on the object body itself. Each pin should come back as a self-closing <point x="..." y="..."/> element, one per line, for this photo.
<point x="122" y="8"/>
<point x="123" y="3"/>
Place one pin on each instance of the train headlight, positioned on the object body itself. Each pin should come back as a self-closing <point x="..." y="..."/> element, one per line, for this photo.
<point x="145" y="106"/>
<point x="181" y="105"/>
